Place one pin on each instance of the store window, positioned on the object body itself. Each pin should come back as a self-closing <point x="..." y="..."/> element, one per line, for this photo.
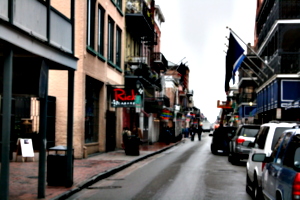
<point x="92" y="92"/>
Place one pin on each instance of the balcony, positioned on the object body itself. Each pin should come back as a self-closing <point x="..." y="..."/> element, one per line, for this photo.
<point x="139" y="21"/>
<point x="31" y="17"/>
<point x="284" y="63"/>
<point x="246" y="97"/>
<point x="160" y="63"/>
<point x="275" y="10"/>
<point x="136" y="60"/>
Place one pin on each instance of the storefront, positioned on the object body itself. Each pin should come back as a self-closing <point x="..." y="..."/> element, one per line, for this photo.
<point x="279" y="99"/>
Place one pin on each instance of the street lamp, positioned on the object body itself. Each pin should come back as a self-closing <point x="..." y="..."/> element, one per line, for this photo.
<point x="250" y="103"/>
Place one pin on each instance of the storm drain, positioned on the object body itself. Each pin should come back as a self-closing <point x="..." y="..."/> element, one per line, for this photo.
<point x="104" y="187"/>
<point x="32" y="177"/>
<point x="227" y="170"/>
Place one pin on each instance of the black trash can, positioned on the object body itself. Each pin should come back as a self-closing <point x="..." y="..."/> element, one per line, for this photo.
<point x="57" y="167"/>
<point x="132" y="145"/>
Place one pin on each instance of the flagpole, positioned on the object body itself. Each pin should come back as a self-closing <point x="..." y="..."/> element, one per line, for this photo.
<point x="251" y="49"/>
<point x="257" y="67"/>
<point x="254" y="72"/>
<point x="251" y="62"/>
<point x="250" y="69"/>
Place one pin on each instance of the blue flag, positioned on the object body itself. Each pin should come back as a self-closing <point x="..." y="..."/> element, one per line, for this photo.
<point x="235" y="56"/>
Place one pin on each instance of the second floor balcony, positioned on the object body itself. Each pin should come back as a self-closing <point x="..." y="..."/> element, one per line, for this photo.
<point x="139" y="19"/>
<point x="246" y="97"/>
<point x="283" y="63"/>
<point x="274" y="10"/>
<point x="40" y="21"/>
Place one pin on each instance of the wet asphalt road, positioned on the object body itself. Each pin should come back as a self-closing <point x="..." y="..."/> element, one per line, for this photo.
<point x="188" y="171"/>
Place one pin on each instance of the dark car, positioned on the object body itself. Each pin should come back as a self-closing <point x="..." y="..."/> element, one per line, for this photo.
<point x="281" y="174"/>
<point x="221" y="138"/>
<point x="238" y="150"/>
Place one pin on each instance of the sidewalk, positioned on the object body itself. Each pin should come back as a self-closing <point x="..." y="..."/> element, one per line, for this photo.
<point x="23" y="178"/>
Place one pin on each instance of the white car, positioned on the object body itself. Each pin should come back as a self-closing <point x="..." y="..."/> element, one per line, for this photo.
<point x="264" y="143"/>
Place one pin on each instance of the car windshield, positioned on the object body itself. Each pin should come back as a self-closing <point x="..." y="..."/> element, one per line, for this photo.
<point x="249" y="132"/>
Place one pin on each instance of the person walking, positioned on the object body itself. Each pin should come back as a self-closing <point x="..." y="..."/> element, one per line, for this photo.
<point x="192" y="132"/>
<point x="199" y="132"/>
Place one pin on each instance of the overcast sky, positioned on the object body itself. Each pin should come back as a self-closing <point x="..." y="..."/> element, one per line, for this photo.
<point x="196" y="30"/>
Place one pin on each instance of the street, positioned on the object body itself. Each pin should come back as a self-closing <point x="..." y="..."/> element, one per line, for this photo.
<point x="187" y="171"/>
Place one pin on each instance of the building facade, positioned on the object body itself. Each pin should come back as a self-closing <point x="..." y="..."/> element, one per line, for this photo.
<point x="274" y="71"/>
<point x="99" y="46"/>
<point x="31" y="45"/>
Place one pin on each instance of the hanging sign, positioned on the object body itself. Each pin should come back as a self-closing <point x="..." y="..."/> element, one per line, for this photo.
<point x="123" y="97"/>
<point x="138" y="103"/>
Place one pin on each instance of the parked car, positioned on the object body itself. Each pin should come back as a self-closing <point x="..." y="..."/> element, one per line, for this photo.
<point x="237" y="149"/>
<point x="281" y="175"/>
<point x="220" y="139"/>
<point x="264" y="143"/>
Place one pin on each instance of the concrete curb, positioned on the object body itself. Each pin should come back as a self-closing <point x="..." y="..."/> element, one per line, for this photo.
<point x="107" y="173"/>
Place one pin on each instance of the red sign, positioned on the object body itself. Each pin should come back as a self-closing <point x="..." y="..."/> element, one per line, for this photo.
<point x="120" y="95"/>
<point x="123" y="97"/>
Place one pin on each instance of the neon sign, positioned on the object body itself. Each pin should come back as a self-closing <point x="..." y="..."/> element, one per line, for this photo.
<point x="123" y="97"/>
<point x="120" y="95"/>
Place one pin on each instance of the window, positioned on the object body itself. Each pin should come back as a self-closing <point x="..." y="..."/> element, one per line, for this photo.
<point x="118" y="47"/>
<point x="110" y="41"/>
<point x="262" y="136"/>
<point x="289" y="156"/>
<point x="101" y="12"/>
<point x="91" y="23"/>
<point x="119" y="4"/>
<point x="92" y="92"/>
<point x="277" y="134"/>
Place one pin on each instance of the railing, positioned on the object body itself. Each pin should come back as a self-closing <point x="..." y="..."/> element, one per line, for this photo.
<point x="246" y="97"/>
<point x="136" y="59"/>
<point x="139" y="7"/>
<point x="284" y="63"/>
<point x="32" y="17"/>
<point x="280" y="10"/>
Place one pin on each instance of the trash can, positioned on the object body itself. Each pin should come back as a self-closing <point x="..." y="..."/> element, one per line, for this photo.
<point x="57" y="167"/>
<point x="132" y="145"/>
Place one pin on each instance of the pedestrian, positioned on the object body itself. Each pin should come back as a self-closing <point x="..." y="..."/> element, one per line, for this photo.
<point x="192" y="132"/>
<point x="125" y="135"/>
<point x="167" y="135"/>
<point x="199" y="132"/>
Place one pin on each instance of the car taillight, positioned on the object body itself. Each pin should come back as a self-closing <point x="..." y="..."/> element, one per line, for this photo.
<point x="296" y="187"/>
<point x="262" y="166"/>
<point x="240" y="140"/>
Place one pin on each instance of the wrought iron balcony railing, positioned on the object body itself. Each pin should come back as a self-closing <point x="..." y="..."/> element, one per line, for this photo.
<point x="275" y="10"/>
<point x="139" y="19"/>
